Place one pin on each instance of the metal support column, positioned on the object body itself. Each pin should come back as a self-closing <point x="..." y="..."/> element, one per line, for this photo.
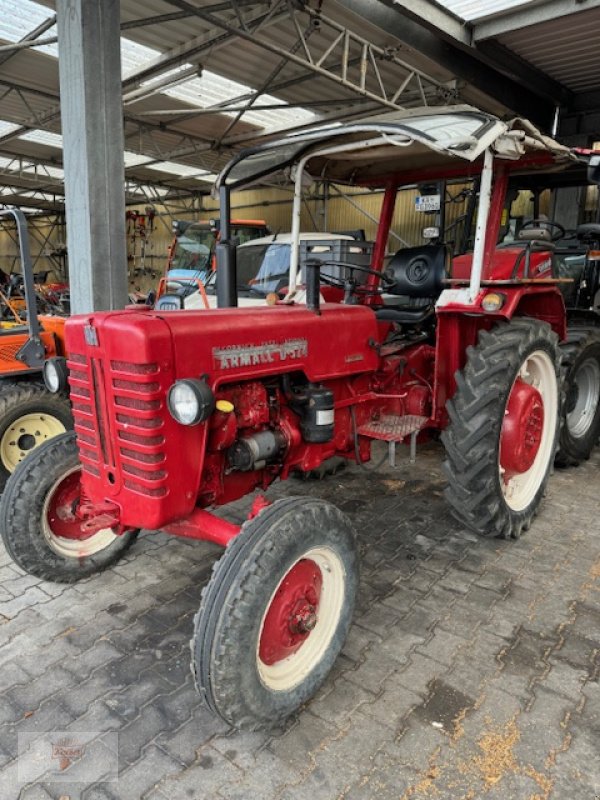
<point x="92" y="127"/>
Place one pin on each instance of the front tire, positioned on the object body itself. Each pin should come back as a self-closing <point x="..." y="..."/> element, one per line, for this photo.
<point x="29" y="416"/>
<point x="504" y="420"/>
<point x="581" y="367"/>
<point x="275" y="613"/>
<point x="38" y="523"/>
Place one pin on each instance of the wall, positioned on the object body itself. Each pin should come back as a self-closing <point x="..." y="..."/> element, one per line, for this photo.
<point x="272" y="205"/>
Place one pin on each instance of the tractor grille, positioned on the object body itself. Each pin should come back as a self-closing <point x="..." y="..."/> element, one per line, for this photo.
<point x="117" y="408"/>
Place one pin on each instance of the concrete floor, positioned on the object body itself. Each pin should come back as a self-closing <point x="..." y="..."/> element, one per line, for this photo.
<point x="471" y="670"/>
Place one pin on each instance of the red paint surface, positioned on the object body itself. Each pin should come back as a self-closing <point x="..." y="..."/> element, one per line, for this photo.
<point x="292" y="614"/>
<point x="522" y="429"/>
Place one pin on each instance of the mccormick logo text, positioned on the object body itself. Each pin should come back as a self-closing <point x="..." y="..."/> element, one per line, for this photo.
<point x="254" y="354"/>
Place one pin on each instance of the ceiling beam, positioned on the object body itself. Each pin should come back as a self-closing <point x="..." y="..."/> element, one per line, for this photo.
<point x="208" y="40"/>
<point x="465" y="65"/>
<point x="388" y="96"/>
<point x="507" y="62"/>
<point x="31" y="36"/>
<point x="528" y="15"/>
<point x="436" y="18"/>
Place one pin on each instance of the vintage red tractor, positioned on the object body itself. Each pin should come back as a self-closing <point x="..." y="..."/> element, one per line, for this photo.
<point x="178" y="412"/>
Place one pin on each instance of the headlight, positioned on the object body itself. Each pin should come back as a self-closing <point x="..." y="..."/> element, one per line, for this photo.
<point x="55" y="374"/>
<point x="190" y="401"/>
<point x="493" y="301"/>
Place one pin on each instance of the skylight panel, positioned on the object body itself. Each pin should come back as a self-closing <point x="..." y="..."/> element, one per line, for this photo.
<point x="7" y="127"/>
<point x="471" y="10"/>
<point x="134" y="56"/>
<point x="135" y="159"/>
<point x="43" y="137"/>
<point x="20" y="17"/>
<point x="211" y="89"/>
<point x="181" y="170"/>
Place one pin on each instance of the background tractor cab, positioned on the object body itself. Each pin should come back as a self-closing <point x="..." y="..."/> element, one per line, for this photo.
<point x="192" y="250"/>
<point x="177" y="412"/>
<point x="263" y="267"/>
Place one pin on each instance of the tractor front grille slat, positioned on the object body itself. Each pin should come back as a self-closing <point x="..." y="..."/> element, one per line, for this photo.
<point x="131" y="407"/>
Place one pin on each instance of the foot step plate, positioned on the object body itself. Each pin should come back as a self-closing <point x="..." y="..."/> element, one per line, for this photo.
<point x="392" y="428"/>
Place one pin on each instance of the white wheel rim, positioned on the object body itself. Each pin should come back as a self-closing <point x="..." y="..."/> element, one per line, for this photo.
<point x="290" y="672"/>
<point x="537" y="370"/>
<point x="587" y="381"/>
<point x="24" y="435"/>
<point x="72" y="548"/>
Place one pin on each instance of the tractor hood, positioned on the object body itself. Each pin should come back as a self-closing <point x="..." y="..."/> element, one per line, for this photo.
<point x="393" y="143"/>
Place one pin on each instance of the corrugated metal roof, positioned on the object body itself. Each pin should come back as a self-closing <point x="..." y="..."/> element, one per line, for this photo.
<point x="565" y="48"/>
<point x="233" y="67"/>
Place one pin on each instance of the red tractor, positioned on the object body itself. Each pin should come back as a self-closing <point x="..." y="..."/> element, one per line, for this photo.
<point x="178" y="412"/>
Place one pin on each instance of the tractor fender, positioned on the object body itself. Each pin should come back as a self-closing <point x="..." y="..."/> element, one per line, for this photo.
<point x="459" y="323"/>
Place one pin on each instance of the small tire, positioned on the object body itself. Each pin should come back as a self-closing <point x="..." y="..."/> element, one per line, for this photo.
<point x="581" y="369"/>
<point x="25" y="521"/>
<point x="479" y="496"/>
<point x="29" y="416"/>
<point x="241" y="671"/>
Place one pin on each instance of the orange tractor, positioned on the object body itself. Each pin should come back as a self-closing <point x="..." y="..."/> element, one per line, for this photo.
<point x="29" y="413"/>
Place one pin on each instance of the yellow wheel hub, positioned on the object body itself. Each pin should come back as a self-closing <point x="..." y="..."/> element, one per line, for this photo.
<point x="24" y="434"/>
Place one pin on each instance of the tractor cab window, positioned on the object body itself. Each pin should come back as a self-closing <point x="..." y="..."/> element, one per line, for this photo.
<point x="193" y="251"/>
<point x="263" y="268"/>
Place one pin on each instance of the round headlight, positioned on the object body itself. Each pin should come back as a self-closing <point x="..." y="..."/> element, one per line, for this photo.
<point x="190" y="401"/>
<point x="55" y="374"/>
<point x="493" y="301"/>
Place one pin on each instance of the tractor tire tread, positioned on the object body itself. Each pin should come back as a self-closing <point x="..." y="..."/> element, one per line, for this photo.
<point x="226" y="588"/>
<point x="475" y="416"/>
<point x="23" y="542"/>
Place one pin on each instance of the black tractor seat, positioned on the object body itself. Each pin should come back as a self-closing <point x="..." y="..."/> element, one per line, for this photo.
<point x="404" y="316"/>
<point x="419" y="275"/>
<point x="589" y="232"/>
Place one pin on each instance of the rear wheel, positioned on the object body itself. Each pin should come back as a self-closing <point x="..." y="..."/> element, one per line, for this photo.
<point x="39" y="523"/>
<point x="276" y="612"/>
<point x="581" y="368"/>
<point x="29" y="416"/>
<point x="504" y="420"/>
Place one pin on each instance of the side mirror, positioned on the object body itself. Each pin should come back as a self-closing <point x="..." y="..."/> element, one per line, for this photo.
<point x="593" y="171"/>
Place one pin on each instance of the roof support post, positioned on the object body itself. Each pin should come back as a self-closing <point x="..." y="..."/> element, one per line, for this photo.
<point x="92" y="127"/>
<point x="485" y="194"/>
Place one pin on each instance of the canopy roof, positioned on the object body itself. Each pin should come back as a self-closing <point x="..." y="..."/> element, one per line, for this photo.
<point x="370" y="150"/>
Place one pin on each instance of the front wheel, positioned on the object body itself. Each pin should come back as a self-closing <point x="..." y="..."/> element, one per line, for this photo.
<point x="29" y="416"/>
<point x="581" y="368"/>
<point x="504" y="421"/>
<point x="38" y="518"/>
<point x="275" y="613"/>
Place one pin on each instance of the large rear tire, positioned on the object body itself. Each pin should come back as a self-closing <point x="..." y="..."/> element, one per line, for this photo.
<point x="504" y="421"/>
<point x="29" y="416"/>
<point x="38" y="523"/>
<point x="581" y="368"/>
<point x="275" y="613"/>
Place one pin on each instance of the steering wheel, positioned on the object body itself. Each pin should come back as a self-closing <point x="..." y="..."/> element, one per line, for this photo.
<point x="350" y="285"/>
<point x="548" y="225"/>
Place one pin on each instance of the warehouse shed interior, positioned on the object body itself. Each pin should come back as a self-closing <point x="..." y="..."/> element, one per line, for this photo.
<point x="299" y="399"/>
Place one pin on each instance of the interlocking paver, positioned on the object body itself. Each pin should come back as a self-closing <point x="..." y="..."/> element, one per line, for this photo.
<point x="471" y="671"/>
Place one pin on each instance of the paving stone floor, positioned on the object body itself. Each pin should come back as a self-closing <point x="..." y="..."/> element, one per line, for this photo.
<point x="471" y="670"/>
